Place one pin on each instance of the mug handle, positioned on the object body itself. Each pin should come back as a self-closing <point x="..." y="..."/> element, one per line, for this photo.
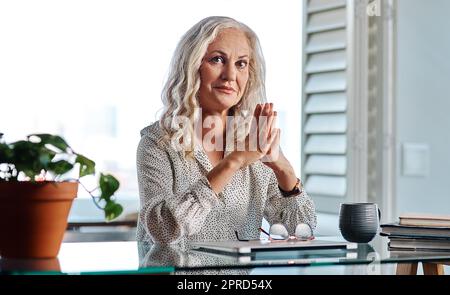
<point x="379" y="214"/>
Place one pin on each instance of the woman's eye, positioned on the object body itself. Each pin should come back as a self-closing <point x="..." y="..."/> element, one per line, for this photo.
<point x="217" y="59"/>
<point x="242" y="64"/>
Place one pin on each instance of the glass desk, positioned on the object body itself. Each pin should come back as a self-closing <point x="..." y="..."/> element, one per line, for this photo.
<point x="130" y="257"/>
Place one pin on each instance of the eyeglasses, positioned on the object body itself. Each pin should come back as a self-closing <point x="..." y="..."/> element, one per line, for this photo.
<point x="278" y="232"/>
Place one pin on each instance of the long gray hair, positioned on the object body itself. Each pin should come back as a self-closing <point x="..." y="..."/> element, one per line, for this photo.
<point x="179" y="94"/>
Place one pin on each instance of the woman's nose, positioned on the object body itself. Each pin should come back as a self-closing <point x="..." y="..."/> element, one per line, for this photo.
<point x="229" y="72"/>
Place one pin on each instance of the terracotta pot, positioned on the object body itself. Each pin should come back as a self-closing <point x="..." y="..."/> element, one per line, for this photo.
<point x="14" y="265"/>
<point x="33" y="217"/>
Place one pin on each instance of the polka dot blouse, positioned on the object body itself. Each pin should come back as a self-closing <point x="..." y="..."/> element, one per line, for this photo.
<point x="177" y="203"/>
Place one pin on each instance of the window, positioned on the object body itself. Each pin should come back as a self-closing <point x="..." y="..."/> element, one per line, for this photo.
<point x="92" y="71"/>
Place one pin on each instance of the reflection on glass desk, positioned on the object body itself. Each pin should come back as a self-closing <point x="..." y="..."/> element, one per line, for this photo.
<point x="130" y="257"/>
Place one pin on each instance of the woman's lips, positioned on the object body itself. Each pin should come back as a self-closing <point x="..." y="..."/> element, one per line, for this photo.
<point x="226" y="90"/>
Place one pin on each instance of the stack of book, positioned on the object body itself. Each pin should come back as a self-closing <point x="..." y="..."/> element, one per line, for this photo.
<point x="418" y="232"/>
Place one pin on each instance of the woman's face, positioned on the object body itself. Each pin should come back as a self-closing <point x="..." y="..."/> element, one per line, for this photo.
<point x="224" y="71"/>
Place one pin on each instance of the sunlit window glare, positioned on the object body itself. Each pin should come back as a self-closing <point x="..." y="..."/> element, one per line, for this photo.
<point x="92" y="71"/>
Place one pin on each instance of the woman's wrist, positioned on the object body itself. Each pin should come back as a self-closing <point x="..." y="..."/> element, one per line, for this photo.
<point x="281" y="165"/>
<point x="285" y="174"/>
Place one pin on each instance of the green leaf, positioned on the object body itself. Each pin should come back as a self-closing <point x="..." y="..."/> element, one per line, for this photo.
<point x="6" y="153"/>
<point x="87" y="166"/>
<point x="60" y="167"/>
<point x="26" y="158"/>
<point x="112" y="210"/>
<point x="45" y="158"/>
<point x="108" y="185"/>
<point x="55" y="140"/>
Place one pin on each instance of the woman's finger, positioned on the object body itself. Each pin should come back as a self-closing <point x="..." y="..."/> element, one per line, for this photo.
<point x="271" y="121"/>
<point x="273" y="152"/>
<point x="269" y="125"/>
<point x="268" y="109"/>
<point x="265" y="125"/>
<point x="275" y="147"/>
<point x="257" y="111"/>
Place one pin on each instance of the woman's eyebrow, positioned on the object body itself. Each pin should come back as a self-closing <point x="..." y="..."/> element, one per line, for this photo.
<point x="223" y="53"/>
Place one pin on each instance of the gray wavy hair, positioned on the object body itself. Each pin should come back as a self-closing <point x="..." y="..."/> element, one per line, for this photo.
<point x="179" y="94"/>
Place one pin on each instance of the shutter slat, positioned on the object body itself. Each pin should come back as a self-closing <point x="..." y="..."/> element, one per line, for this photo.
<point x="326" y="82"/>
<point x="336" y="123"/>
<point x="326" y="185"/>
<point x="326" y="103"/>
<point x="326" y="41"/>
<point x="332" y="165"/>
<point x="328" y="20"/>
<point x="325" y="62"/>
<point x="326" y="144"/>
<point x="322" y="5"/>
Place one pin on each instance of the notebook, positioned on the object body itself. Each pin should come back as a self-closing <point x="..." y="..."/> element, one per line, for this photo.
<point x="418" y="219"/>
<point x="420" y="244"/>
<point x="247" y="247"/>
<point x="395" y="229"/>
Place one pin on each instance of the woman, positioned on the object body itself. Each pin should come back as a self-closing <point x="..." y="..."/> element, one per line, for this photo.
<point x="201" y="177"/>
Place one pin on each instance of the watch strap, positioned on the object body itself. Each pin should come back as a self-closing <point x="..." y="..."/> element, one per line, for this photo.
<point x="298" y="188"/>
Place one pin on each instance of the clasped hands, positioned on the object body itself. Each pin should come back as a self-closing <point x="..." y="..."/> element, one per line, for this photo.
<point x="263" y="141"/>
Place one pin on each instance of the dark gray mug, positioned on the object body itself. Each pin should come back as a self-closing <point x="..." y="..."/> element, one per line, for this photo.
<point x="359" y="222"/>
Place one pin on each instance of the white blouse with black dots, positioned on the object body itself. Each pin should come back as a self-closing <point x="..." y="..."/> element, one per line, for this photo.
<point x="177" y="203"/>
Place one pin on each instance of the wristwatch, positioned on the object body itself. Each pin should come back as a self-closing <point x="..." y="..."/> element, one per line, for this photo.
<point x="298" y="189"/>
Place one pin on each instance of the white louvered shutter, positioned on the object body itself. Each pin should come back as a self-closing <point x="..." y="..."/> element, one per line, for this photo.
<point x="347" y="101"/>
<point x="325" y="99"/>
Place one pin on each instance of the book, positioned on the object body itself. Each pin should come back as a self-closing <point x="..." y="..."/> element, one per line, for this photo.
<point x="430" y="252"/>
<point x="420" y="219"/>
<point x="392" y="229"/>
<point x="420" y="244"/>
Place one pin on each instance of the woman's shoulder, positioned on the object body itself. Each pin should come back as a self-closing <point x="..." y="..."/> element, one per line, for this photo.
<point x="151" y="139"/>
<point x="153" y="132"/>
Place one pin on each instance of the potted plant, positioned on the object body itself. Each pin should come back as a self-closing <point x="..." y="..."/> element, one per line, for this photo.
<point x="35" y="199"/>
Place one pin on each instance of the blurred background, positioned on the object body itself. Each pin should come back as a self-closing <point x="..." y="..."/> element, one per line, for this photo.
<point x="93" y="71"/>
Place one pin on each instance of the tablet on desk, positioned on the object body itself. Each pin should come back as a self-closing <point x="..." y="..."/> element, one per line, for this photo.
<point x="247" y="247"/>
<point x="283" y="257"/>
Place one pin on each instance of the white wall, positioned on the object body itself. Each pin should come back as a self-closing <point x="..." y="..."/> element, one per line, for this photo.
<point x="423" y="103"/>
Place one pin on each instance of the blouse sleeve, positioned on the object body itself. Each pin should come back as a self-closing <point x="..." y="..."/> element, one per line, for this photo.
<point x="165" y="215"/>
<point x="289" y="211"/>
